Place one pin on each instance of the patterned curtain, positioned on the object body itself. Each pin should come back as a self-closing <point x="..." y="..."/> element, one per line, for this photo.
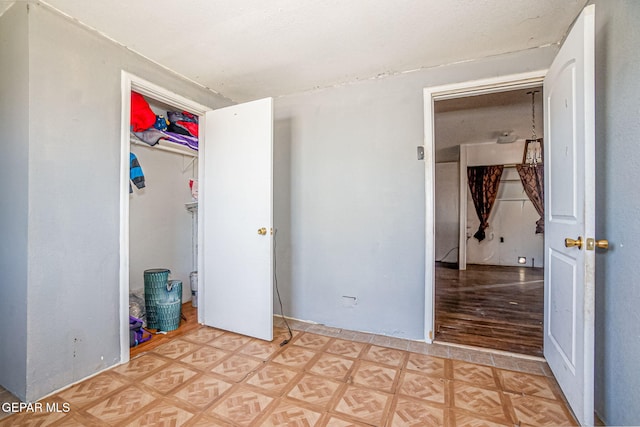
<point x="532" y="177"/>
<point x="483" y="183"/>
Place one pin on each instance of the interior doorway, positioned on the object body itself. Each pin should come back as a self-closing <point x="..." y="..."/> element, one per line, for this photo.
<point x="169" y="161"/>
<point x="480" y="293"/>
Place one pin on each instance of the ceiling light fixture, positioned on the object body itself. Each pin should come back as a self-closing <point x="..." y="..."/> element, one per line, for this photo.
<point x="507" y="137"/>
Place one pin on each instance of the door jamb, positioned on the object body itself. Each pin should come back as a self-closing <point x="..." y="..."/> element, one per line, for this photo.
<point x="438" y="93"/>
<point x="128" y="82"/>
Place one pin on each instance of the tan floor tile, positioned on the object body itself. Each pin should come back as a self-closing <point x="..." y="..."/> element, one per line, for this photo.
<point x="162" y="414"/>
<point x="202" y="391"/>
<point x="375" y="376"/>
<point x="295" y="357"/>
<point x="236" y="367"/>
<point x="207" y="421"/>
<point x="202" y="335"/>
<point x="205" y="357"/>
<point x="519" y="382"/>
<point x="33" y="418"/>
<point x="272" y="378"/>
<point x="122" y="406"/>
<point x="241" y="406"/>
<point x="384" y="355"/>
<point x="464" y="420"/>
<point x="140" y="366"/>
<point x="533" y="411"/>
<point x="366" y="405"/>
<point x="315" y="390"/>
<point x="409" y="412"/>
<point x="335" y="421"/>
<point x="422" y="387"/>
<point x="91" y="390"/>
<point x="478" y="400"/>
<point x="229" y="341"/>
<point x="332" y="366"/>
<point x="291" y="415"/>
<point x="481" y="376"/>
<point x="169" y="378"/>
<point x="345" y="348"/>
<point x="176" y="348"/>
<point x="427" y="365"/>
<point x="260" y="349"/>
<point x="312" y="341"/>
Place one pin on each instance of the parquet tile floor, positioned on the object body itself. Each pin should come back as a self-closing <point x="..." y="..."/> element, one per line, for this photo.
<point x="323" y="377"/>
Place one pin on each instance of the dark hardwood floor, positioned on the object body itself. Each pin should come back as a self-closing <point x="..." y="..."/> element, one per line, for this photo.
<point x="490" y="306"/>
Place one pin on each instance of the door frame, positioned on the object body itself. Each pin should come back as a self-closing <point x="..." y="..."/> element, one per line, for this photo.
<point x="439" y="93"/>
<point x="132" y="82"/>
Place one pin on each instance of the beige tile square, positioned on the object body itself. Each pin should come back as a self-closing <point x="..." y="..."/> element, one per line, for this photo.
<point x="288" y="414"/>
<point x="375" y="376"/>
<point x="162" y="413"/>
<point x="91" y="390"/>
<point x="422" y="387"/>
<point x="384" y="355"/>
<point x="230" y="341"/>
<point x="345" y="348"/>
<point x="202" y="335"/>
<point x="363" y="404"/>
<point x="272" y="378"/>
<point x="236" y="367"/>
<point x="534" y="411"/>
<point x="241" y="406"/>
<point x="427" y="365"/>
<point x="140" y="366"/>
<point x="312" y="341"/>
<point x="122" y="406"/>
<point x="521" y="383"/>
<point x="332" y="366"/>
<point x="478" y="400"/>
<point x="260" y="349"/>
<point x="202" y="391"/>
<point x="479" y="375"/>
<point x="295" y="357"/>
<point x="169" y="378"/>
<point x="205" y="357"/>
<point x="409" y="412"/>
<point x="176" y="348"/>
<point x="315" y="390"/>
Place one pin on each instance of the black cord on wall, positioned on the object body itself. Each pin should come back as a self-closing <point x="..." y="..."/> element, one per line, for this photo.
<point x="275" y="281"/>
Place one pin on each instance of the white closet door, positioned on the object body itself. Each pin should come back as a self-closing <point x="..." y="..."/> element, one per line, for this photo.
<point x="237" y="199"/>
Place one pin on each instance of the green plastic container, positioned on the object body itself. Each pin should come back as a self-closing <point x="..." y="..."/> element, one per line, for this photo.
<point x="168" y="315"/>
<point x="157" y="289"/>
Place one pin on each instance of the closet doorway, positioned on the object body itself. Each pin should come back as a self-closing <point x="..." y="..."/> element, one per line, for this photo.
<point x="485" y="293"/>
<point x="235" y="211"/>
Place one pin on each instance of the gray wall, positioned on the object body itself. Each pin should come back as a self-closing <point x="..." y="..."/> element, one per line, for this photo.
<point x="618" y="210"/>
<point x="14" y="209"/>
<point x="74" y="197"/>
<point x="350" y="197"/>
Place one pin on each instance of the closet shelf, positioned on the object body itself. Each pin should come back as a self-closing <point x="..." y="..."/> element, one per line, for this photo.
<point x="164" y="145"/>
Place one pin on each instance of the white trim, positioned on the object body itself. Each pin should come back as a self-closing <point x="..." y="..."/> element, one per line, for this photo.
<point x="144" y="87"/>
<point x="437" y="93"/>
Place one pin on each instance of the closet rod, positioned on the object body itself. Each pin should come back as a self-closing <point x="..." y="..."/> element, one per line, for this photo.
<point x="135" y="141"/>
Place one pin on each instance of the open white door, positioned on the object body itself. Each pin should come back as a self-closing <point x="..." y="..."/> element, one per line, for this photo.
<point x="236" y="191"/>
<point x="569" y="105"/>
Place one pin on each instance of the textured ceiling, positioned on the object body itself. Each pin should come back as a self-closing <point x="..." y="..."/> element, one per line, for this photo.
<point x="248" y="49"/>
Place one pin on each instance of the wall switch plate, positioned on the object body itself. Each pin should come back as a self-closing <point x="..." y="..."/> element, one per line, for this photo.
<point x="420" y="152"/>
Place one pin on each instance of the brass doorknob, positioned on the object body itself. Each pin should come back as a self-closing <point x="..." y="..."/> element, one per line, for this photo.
<point x="262" y="231"/>
<point x="569" y="243"/>
<point x="593" y="243"/>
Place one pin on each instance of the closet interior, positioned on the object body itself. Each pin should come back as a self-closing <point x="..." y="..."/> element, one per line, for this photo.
<point x="163" y="209"/>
